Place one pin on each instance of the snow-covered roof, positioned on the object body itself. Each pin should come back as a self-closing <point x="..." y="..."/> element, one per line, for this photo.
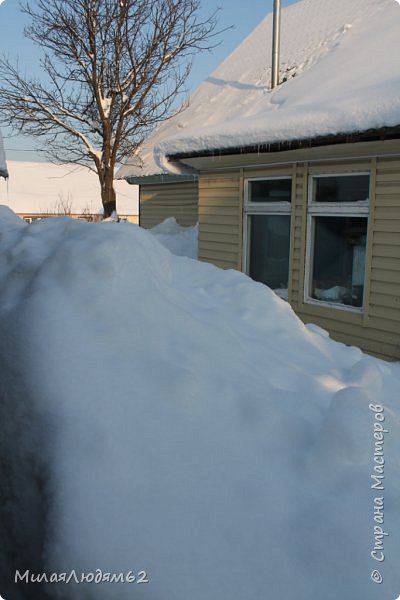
<point x="42" y="187"/>
<point x="341" y="64"/>
<point x="3" y="166"/>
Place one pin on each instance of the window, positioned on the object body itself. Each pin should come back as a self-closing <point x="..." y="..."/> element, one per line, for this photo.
<point x="267" y="231"/>
<point x="337" y="239"/>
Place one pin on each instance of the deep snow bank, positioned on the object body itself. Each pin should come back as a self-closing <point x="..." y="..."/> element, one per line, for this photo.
<point x="160" y="414"/>
<point x="182" y="241"/>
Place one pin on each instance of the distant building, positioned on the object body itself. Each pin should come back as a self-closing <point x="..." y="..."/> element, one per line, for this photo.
<point x="298" y="186"/>
<point x="39" y="190"/>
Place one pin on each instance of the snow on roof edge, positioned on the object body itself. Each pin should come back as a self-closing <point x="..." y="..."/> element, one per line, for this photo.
<point x="351" y="136"/>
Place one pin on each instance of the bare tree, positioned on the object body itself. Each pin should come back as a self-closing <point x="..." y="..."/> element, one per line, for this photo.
<point x="63" y="206"/>
<point x="112" y="70"/>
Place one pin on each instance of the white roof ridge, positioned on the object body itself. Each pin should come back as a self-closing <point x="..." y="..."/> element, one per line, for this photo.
<point x="340" y="79"/>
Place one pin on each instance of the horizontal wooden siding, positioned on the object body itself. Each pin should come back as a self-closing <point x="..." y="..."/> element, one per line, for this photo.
<point x="377" y="329"/>
<point x="220" y="219"/>
<point x="161" y="201"/>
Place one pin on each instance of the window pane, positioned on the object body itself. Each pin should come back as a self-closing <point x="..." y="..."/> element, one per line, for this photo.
<point x="269" y="250"/>
<point x="344" y="188"/>
<point x="339" y="259"/>
<point x="270" y="190"/>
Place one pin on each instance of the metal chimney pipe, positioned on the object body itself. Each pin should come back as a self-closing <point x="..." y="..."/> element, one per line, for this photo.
<point x="276" y="33"/>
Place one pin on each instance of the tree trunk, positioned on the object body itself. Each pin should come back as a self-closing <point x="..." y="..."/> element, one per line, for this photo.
<point x="108" y="196"/>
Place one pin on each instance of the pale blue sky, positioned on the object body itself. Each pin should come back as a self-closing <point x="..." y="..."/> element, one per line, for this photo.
<point x="241" y="14"/>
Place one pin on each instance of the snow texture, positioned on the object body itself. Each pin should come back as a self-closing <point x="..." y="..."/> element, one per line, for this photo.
<point x="340" y="60"/>
<point x="182" y="241"/>
<point x="161" y="414"/>
<point x="41" y="187"/>
<point x="3" y="166"/>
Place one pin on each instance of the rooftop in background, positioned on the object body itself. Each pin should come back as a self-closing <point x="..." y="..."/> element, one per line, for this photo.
<point x="339" y="77"/>
<point x="37" y="188"/>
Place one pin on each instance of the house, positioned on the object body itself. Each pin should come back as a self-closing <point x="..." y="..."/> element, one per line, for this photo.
<point x="3" y="165"/>
<point x="40" y="189"/>
<point x="298" y="186"/>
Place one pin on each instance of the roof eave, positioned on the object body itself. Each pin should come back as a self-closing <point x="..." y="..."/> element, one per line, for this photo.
<point x="160" y="179"/>
<point x="370" y="135"/>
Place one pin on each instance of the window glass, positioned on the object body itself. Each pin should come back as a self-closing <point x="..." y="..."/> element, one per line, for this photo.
<point x="270" y="190"/>
<point x="269" y="250"/>
<point x="339" y="259"/>
<point x="343" y="188"/>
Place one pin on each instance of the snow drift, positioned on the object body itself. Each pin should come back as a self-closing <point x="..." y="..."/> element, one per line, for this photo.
<point x="182" y="241"/>
<point x="162" y="415"/>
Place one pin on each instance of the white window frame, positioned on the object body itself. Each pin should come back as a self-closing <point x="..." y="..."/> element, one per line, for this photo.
<point x="334" y="209"/>
<point x="263" y="208"/>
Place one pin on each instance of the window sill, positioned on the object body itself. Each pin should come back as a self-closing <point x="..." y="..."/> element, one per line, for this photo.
<point x="358" y="310"/>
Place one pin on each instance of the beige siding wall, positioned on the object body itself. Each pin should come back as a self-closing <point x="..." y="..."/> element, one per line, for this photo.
<point x="298" y="238"/>
<point x="158" y="202"/>
<point x="220" y="219"/>
<point x="377" y="329"/>
<point x="384" y="292"/>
